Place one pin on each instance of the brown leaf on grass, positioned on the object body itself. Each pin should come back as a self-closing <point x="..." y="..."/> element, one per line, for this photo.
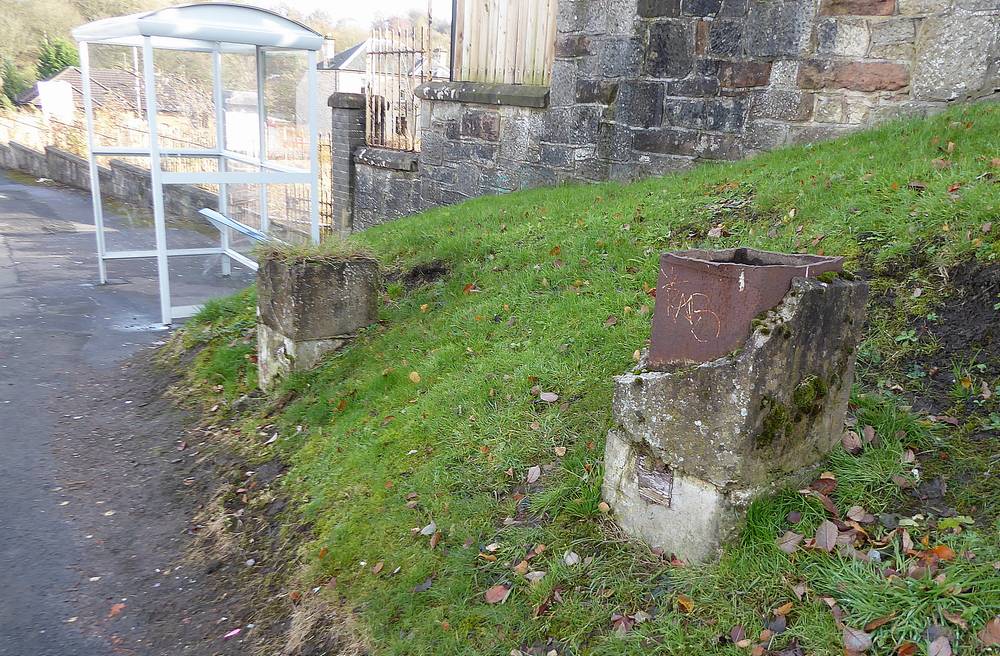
<point x="622" y="623"/>
<point x="856" y="640"/>
<point x="522" y="567"/>
<point x="851" y="442"/>
<point x="859" y="514"/>
<point x="826" y="536"/>
<point x="955" y="619"/>
<point x="470" y="288"/>
<point x="784" y="609"/>
<point x="880" y="621"/>
<point x="907" y="649"/>
<point x="800" y="590"/>
<point x="555" y="251"/>
<point x="943" y="552"/>
<point x="610" y="321"/>
<point x="789" y="542"/>
<point x="435" y="539"/>
<point x="497" y="594"/>
<point x="737" y="634"/>
<point x="414" y="377"/>
<point x="824" y="484"/>
<point x="905" y="541"/>
<point x="990" y="634"/>
<point x="549" y="397"/>
<point x="684" y="603"/>
<point x="534" y="473"/>
<point x="916" y="185"/>
<point x="941" y="646"/>
<point x="869" y="434"/>
<point x="378" y="567"/>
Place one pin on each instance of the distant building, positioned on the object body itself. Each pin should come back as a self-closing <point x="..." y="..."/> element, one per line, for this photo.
<point x="61" y="96"/>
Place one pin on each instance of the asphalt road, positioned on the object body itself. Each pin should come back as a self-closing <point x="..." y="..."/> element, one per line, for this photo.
<point x="56" y="326"/>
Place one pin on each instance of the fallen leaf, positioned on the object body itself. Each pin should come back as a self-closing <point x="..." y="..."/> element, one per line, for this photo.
<point x="521" y="568"/>
<point x="534" y="473"/>
<point x="435" y="539"/>
<point x="378" y="567"/>
<point x="560" y="451"/>
<point x="604" y="507"/>
<point x="955" y="619"/>
<point x="916" y="185"/>
<point x="826" y="536"/>
<point x="869" y="434"/>
<point x="414" y="377"/>
<point x="622" y="623"/>
<point x="116" y="609"/>
<point x="549" y="397"/>
<point x="610" y="321"/>
<point x="684" y="603"/>
<point x="943" y="552"/>
<point x="470" y="288"/>
<point x="851" y="442"/>
<point x="990" y="634"/>
<point x="571" y="558"/>
<point x="941" y="646"/>
<point x="800" y="590"/>
<point x="425" y="586"/>
<point x="907" y="649"/>
<point x="737" y="634"/>
<point x="715" y="232"/>
<point x="824" y="485"/>
<point x="859" y="514"/>
<point x="535" y="576"/>
<point x="880" y="621"/>
<point x="784" y="609"/>
<point x="856" y="640"/>
<point x="497" y="594"/>
<point x="789" y="542"/>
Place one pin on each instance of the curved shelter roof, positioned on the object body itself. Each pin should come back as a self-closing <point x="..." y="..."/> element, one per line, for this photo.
<point x="199" y="27"/>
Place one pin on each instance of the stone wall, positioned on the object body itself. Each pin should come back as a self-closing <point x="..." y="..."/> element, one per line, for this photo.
<point x="641" y="87"/>
<point x="119" y="180"/>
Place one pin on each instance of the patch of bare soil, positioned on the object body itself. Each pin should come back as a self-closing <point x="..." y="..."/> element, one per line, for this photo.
<point x="191" y="552"/>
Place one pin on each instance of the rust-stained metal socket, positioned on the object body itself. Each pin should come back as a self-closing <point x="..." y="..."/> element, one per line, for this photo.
<point x="706" y="300"/>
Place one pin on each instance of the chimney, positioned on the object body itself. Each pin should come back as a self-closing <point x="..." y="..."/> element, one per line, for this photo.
<point x="327" y="51"/>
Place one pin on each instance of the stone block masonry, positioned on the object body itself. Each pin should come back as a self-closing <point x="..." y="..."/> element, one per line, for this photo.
<point x="643" y="87"/>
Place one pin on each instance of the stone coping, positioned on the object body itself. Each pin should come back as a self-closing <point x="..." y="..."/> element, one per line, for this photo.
<point x="345" y="100"/>
<point x="522" y="95"/>
<point x="386" y="158"/>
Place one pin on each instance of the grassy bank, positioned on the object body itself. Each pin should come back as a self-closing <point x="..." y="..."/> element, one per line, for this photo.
<point x="433" y="415"/>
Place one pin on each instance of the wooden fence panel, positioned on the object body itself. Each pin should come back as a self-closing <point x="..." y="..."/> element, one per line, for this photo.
<point x="504" y="41"/>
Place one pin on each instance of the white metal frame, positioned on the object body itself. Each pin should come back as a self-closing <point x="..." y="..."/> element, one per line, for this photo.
<point x="153" y="37"/>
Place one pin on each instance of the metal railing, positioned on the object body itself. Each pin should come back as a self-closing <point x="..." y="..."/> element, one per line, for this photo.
<point x="398" y="61"/>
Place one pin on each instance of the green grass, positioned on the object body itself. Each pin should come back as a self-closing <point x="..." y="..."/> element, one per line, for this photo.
<point x="533" y="278"/>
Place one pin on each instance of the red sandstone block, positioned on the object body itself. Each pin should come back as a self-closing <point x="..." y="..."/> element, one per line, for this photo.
<point x="744" y="74"/>
<point x="857" y="7"/>
<point x="857" y="76"/>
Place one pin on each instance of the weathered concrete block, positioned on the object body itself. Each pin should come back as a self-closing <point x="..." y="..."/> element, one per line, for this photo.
<point x="779" y="28"/>
<point x="694" y="445"/>
<point x="857" y="7"/>
<point x="309" y="307"/>
<point x="670" y="49"/>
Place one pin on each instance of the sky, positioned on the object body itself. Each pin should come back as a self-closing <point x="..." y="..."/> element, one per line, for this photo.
<point x="364" y="11"/>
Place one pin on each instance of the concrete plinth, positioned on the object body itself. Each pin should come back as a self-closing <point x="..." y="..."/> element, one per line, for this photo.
<point x="694" y="445"/>
<point x="308" y="308"/>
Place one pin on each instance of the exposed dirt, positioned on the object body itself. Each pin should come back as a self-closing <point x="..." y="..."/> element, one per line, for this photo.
<point x="422" y="274"/>
<point x="190" y="542"/>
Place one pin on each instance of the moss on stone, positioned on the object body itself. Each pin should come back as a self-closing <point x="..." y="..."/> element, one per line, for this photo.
<point x="776" y="422"/>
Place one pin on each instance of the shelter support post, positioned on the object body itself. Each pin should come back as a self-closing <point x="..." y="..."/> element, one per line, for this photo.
<point x="156" y="183"/>
<point x="313" y="150"/>
<point x="220" y="145"/>
<point x="95" y="178"/>
<point x="262" y="135"/>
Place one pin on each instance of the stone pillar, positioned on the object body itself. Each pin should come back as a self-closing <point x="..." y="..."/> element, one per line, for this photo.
<point x="309" y="307"/>
<point x="348" y="132"/>
<point x="695" y="444"/>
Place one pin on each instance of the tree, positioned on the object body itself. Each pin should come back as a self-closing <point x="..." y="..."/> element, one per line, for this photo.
<point x="55" y="55"/>
<point x="12" y="82"/>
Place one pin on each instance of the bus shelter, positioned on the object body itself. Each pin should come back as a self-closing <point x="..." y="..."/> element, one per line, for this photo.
<point x="216" y="29"/>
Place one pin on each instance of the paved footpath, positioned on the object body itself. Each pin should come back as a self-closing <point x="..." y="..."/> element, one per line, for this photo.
<point x="56" y="326"/>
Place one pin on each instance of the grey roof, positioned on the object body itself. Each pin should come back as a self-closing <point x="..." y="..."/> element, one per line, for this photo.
<point x="174" y="94"/>
<point x="341" y="58"/>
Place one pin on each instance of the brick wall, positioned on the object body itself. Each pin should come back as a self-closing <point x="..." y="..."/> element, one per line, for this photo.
<point x="641" y="87"/>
